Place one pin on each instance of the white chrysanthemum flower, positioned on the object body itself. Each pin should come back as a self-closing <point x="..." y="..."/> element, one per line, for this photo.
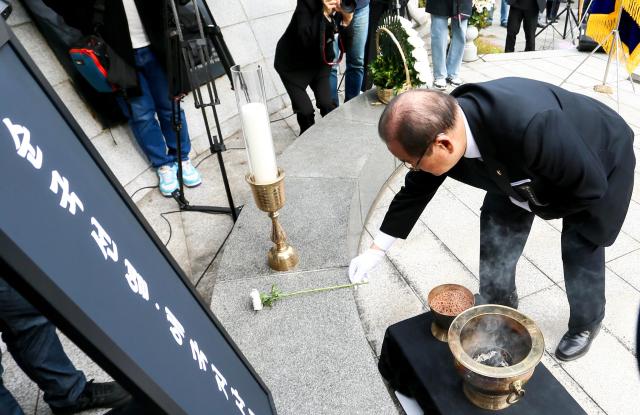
<point x="425" y="78"/>
<point x="420" y="55"/>
<point x="412" y="32"/>
<point x="422" y="67"/>
<point x="415" y="41"/>
<point x="255" y="299"/>
<point x="405" y="23"/>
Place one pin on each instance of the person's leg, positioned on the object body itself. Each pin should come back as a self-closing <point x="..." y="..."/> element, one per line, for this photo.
<point x="439" y="34"/>
<point x="159" y="88"/>
<point x="504" y="13"/>
<point x="355" y="54"/>
<point x="141" y="113"/>
<point x="333" y="77"/>
<point x="456" y="50"/>
<point x="529" y="24"/>
<point x="32" y="341"/>
<point x="321" y="90"/>
<point x="584" y="277"/>
<point x="8" y="403"/>
<point x="295" y="84"/>
<point x="504" y="228"/>
<point x="513" y="27"/>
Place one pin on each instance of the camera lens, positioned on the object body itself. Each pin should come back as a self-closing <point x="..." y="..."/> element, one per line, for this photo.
<point x="348" y="6"/>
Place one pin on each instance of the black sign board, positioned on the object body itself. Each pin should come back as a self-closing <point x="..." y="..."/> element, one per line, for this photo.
<point x="75" y="245"/>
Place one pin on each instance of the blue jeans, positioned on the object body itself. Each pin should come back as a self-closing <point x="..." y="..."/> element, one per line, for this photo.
<point x="504" y="12"/>
<point x="355" y="58"/>
<point x="158" y="141"/>
<point x="439" y="31"/>
<point x="34" y="345"/>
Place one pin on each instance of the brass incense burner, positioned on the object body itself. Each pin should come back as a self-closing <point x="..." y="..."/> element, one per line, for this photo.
<point x="270" y="198"/>
<point x="496" y="350"/>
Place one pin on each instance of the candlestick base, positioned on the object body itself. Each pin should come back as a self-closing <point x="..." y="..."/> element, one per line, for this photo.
<point x="284" y="260"/>
<point x="270" y="198"/>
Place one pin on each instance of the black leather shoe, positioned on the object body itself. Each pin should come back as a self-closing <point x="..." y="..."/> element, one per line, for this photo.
<point x="573" y="346"/>
<point x="96" y="395"/>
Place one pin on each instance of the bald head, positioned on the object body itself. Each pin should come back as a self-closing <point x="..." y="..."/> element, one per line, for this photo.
<point x="416" y="117"/>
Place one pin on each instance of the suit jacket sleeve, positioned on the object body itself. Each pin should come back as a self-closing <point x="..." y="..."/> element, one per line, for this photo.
<point x="408" y="204"/>
<point x="554" y="150"/>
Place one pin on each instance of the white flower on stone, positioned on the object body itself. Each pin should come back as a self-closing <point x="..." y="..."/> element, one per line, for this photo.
<point x="256" y="300"/>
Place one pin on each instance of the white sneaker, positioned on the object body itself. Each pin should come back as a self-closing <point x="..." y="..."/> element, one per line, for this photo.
<point x="440" y="84"/>
<point x="455" y="81"/>
<point x="168" y="180"/>
<point x="190" y="176"/>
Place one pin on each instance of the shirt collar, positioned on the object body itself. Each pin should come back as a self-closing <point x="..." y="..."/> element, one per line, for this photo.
<point x="472" y="151"/>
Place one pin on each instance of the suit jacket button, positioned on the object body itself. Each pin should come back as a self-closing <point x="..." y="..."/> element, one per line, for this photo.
<point x="499" y="172"/>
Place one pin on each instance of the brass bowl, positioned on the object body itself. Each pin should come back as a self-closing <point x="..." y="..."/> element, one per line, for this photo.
<point x="441" y="323"/>
<point x="511" y="345"/>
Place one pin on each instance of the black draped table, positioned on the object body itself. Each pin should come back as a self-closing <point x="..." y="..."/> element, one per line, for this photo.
<point x="419" y="366"/>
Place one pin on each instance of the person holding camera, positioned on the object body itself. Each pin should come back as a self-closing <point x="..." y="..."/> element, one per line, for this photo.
<point x="305" y="55"/>
<point x="354" y="73"/>
<point x="136" y="31"/>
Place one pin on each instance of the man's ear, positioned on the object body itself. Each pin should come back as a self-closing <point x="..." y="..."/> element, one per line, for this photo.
<point x="444" y="141"/>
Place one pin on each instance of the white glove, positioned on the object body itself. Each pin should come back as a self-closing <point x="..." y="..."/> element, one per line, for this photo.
<point x="364" y="263"/>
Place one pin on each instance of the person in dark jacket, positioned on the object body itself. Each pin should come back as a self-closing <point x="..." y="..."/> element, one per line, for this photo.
<point x="525" y="12"/>
<point x="562" y="155"/>
<point x="304" y="55"/>
<point x="446" y="65"/>
<point x="136" y="30"/>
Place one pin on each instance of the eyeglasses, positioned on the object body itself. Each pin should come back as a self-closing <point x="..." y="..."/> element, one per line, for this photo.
<point x="416" y="167"/>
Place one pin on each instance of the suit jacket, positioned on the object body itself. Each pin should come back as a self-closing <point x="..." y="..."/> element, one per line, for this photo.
<point x="307" y="37"/>
<point x="568" y="155"/>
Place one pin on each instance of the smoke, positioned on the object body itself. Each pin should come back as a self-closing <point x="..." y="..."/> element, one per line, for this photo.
<point x="495" y="340"/>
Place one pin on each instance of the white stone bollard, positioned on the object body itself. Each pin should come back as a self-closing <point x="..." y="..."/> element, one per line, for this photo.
<point x="470" y="53"/>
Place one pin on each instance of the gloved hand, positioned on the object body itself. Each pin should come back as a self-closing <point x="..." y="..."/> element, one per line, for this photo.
<point x="362" y="264"/>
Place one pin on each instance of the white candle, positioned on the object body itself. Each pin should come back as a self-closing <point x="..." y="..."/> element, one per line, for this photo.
<point x="257" y="136"/>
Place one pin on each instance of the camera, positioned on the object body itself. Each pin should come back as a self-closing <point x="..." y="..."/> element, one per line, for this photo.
<point x="348" y="6"/>
<point x="5" y="10"/>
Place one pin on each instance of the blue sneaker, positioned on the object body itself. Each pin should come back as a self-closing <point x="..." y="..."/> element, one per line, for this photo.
<point x="190" y="176"/>
<point x="168" y="180"/>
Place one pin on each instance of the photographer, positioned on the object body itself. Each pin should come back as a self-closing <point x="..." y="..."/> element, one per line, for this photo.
<point x="136" y="31"/>
<point x="304" y="55"/>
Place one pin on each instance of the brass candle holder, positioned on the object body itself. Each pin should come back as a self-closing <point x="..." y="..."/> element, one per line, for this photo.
<point x="270" y="198"/>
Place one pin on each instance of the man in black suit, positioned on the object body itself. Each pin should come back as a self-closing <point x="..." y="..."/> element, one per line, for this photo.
<point x="525" y="12"/>
<point x="536" y="149"/>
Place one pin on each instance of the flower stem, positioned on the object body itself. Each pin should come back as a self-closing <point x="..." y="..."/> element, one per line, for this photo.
<point x="316" y="290"/>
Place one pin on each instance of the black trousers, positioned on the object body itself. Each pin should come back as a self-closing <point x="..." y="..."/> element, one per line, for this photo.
<point x="504" y="228"/>
<point x="529" y="20"/>
<point x="296" y="83"/>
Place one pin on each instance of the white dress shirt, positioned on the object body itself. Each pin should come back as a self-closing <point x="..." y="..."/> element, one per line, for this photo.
<point x="473" y="152"/>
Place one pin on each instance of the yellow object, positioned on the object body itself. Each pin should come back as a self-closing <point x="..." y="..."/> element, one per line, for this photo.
<point x="600" y="27"/>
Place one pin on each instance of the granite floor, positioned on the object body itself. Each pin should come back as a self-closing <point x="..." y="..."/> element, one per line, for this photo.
<point x="606" y="381"/>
